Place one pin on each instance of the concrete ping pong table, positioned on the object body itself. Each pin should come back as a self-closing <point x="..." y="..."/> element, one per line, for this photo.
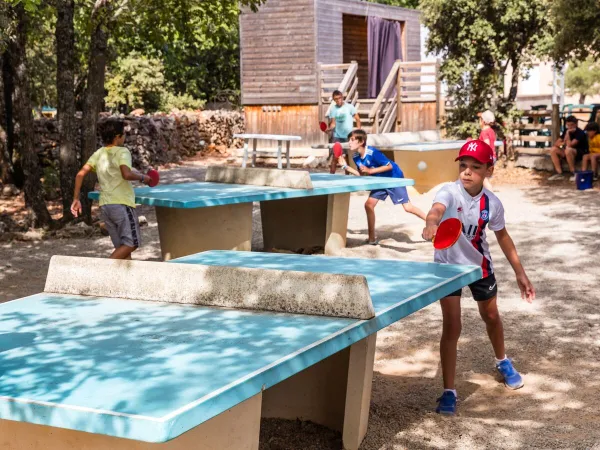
<point x="98" y="372"/>
<point x="195" y="217"/>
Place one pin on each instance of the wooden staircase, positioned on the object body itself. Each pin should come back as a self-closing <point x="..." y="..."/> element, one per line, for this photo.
<point x="384" y="113"/>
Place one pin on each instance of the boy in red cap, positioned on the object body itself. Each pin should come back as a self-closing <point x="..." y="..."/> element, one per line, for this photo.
<point x="477" y="208"/>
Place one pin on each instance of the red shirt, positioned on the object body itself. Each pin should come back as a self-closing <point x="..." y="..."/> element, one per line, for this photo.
<point x="488" y="136"/>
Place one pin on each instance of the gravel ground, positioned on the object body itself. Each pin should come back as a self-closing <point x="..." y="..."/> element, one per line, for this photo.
<point x="555" y="342"/>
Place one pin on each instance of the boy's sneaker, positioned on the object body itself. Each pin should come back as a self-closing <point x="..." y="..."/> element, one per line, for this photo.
<point x="572" y="177"/>
<point x="556" y="177"/>
<point x="446" y="403"/>
<point x="512" y="378"/>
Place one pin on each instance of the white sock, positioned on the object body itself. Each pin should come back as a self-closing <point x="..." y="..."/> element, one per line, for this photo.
<point x="498" y="361"/>
<point x="451" y="390"/>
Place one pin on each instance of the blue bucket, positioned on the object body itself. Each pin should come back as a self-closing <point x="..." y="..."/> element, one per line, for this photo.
<point x="584" y="179"/>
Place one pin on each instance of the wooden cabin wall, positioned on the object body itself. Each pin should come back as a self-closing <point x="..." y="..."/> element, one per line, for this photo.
<point x="418" y="116"/>
<point x="299" y="120"/>
<point x="355" y="48"/>
<point x="330" y="27"/>
<point x="277" y="54"/>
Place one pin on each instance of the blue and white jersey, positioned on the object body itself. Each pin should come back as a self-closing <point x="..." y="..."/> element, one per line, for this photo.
<point x="373" y="158"/>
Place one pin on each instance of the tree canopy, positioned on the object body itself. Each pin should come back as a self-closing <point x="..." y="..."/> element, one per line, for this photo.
<point x="577" y="29"/>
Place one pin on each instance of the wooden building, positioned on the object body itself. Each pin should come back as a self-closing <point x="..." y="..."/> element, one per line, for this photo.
<point x="294" y="53"/>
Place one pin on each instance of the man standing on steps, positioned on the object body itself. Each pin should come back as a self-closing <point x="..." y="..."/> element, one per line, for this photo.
<point x="341" y="117"/>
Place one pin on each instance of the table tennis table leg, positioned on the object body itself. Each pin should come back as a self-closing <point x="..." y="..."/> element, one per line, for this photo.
<point x="254" y="144"/>
<point x="335" y="392"/>
<point x="245" y="157"/>
<point x="287" y="154"/>
<point x="184" y="232"/>
<point x="306" y="223"/>
<point x="279" y="149"/>
<point x="237" y="428"/>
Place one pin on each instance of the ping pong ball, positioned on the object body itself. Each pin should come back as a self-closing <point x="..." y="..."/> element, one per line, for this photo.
<point x="422" y="165"/>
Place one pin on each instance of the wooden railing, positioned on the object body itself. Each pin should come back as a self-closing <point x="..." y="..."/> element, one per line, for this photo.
<point x="340" y="77"/>
<point x="404" y="84"/>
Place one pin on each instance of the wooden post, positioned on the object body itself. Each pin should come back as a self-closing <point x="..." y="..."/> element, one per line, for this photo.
<point x="399" y="100"/>
<point x="555" y="123"/>
<point x="438" y="94"/>
<point x="320" y="91"/>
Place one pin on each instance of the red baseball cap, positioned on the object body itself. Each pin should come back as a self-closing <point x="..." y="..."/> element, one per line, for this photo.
<point x="477" y="149"/>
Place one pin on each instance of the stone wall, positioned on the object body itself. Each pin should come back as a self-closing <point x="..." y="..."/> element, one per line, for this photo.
<point x="161" y="138"/>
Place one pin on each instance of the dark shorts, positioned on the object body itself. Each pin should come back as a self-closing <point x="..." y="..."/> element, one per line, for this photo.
<point x="580" y="154"/>
<point x="398" y="195"/>
<point x="482" y="290"/>
<point x="122" y="225"/>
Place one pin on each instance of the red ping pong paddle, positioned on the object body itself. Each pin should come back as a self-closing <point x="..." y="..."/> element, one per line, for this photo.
<point x="447" y="234"/>
<point x="338" y="150"/>
<point x="323" y="126"/>
<point x="154" y="177"/>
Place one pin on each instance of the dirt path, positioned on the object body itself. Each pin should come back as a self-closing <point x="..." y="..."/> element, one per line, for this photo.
<point x="555" y="342"/>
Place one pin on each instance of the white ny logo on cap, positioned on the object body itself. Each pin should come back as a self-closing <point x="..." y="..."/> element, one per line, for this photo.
<point x="472" y="147"/>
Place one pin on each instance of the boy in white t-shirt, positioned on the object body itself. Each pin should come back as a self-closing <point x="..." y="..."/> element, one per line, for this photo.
<point x="477" y="208"/>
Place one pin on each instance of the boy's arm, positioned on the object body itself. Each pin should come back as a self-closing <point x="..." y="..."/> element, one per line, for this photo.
<point x="508" y="248"/>
<point x="331" y="124"/>
<point x="357" y="119"/>
<point x="342" y="162"/>
<point x="433" y="219"/>
<point x="374" y="170"/>
<point x="76" y="205"/>
<point x="133" y="175"/>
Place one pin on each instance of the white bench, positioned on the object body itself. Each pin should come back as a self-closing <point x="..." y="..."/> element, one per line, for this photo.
<point x="280" y="138"/>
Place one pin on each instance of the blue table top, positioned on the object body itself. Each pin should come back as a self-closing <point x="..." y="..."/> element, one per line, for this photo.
<point x="147" y="371"/>
<point x="202" y="194"/>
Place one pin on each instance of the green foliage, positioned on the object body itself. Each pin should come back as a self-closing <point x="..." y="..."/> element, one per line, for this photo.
<point x="478" y="40"/>
<point x="170" y="101"/>
<point x="414" y="4"/>
<point x="577" y="29"/>
<point x="583" y="78"/>
<point x="137" y="81"/>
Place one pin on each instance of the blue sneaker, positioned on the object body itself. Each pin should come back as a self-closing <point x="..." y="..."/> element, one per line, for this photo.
<point x="511" y="377"/>
<point x="446" y="404"/>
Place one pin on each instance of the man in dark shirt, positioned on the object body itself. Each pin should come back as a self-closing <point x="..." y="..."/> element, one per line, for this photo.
<point x="572" y="145"/>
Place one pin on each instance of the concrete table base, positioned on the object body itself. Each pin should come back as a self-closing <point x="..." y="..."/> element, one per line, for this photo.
<point x="187" y="231"/>
<point x="335" y="392"/>
<point x="306" y="222"/>
<point x="236" y="429"/>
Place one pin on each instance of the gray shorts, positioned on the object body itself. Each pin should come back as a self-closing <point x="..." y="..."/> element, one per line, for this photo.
<point x="122" y="225"/>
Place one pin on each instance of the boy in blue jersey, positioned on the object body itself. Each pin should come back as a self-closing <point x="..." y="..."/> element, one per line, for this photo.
<point x="371" y="161"/>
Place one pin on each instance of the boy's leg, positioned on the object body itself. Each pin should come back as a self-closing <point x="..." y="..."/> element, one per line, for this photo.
<point x="488" y="310"/>
<point x="594" y="157"/>
<point x="122" y="252"/>
<point x="452" y="327"/>
<point x="571" y="155"/>
<point x="410" y="208"/>
<point x="556" y="153"/>
<point x="585" y="161"/>
<point x="333" y="164"/>
<point x="370" y="210"/>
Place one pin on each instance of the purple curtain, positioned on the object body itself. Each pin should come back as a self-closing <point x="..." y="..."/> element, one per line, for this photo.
<point x="385" y="47"/>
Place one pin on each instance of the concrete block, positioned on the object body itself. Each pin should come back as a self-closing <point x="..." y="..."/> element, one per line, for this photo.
<point x="259" y="177"/>
<point x="292" y="292"/>
<point x="404" y="137"/>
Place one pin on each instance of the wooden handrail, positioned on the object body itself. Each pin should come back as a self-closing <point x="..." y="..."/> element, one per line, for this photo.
<point x="389" y="82"/>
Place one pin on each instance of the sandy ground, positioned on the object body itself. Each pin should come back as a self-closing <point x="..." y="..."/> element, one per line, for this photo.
<point x="555" y="342"/>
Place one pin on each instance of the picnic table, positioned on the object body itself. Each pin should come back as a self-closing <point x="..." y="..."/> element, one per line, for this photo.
<point x="254" y="138"/>
<point x="84" y="369"/>
<point x="195" y="217"/>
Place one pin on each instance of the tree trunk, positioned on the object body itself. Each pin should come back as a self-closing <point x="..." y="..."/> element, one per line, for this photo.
<point x="34" y="192"/>
<point x="14" y="157"/>
<point x="514" y="79"/>
<point x="65" y="87"/>
<point x="6" y="169"/>
<point x="582" y="99"/>
<point x="94" y="96"/>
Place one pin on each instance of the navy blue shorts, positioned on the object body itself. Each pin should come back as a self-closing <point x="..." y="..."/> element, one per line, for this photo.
<point x="398" y="195"/>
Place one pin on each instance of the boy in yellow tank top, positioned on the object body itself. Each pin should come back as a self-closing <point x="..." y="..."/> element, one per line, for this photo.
<point x="593" y="131"/>
<point x="113" y="166"/>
